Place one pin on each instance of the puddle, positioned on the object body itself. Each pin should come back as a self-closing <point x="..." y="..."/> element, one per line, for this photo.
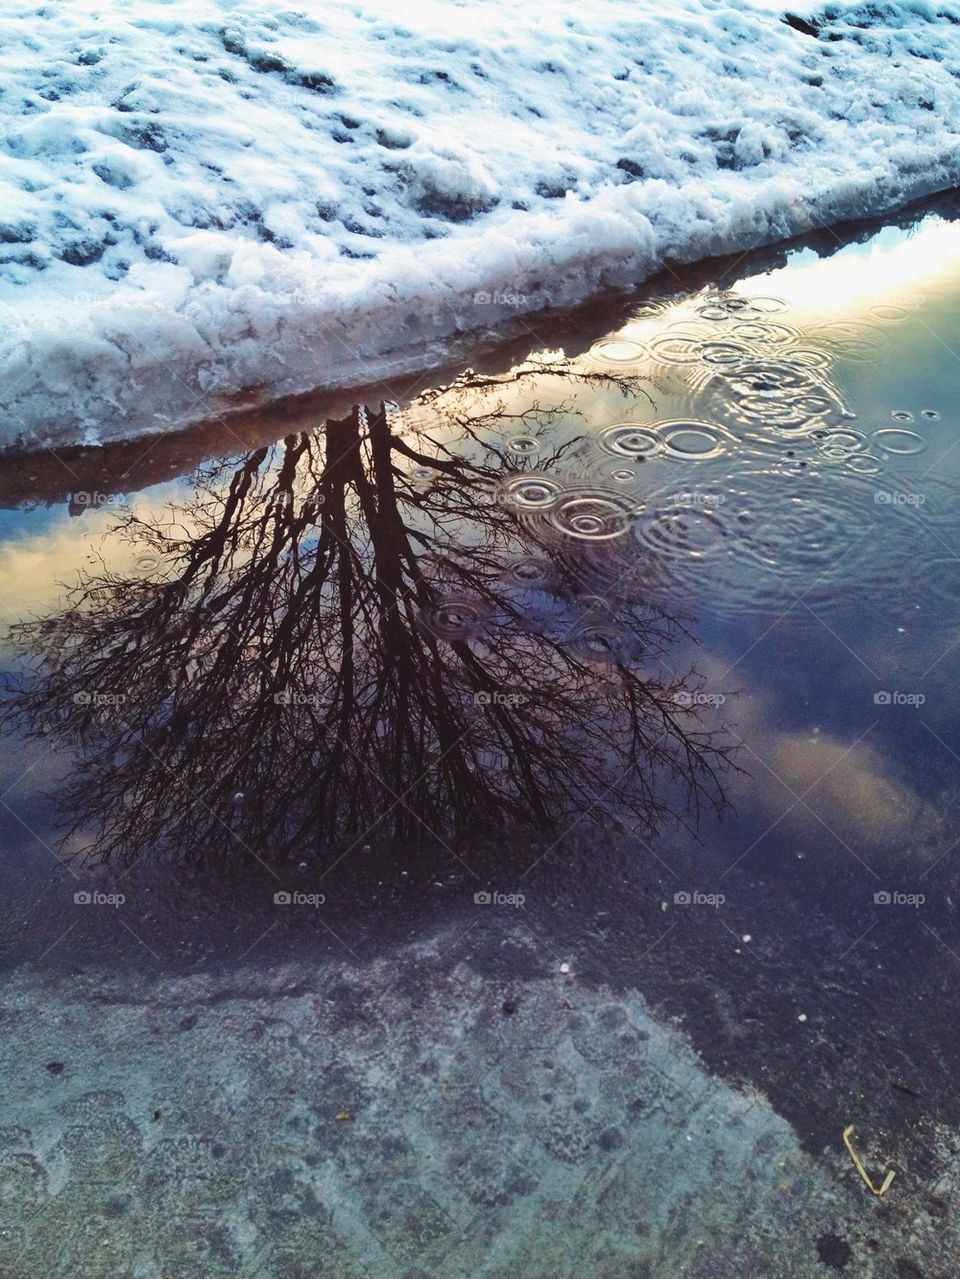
<point x="659" y="638"/>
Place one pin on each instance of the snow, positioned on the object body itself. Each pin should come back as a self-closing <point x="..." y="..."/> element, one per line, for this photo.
<point x="203" y="198"/>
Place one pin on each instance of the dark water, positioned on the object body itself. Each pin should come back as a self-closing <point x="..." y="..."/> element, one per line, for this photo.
<point x="662" y="639"/>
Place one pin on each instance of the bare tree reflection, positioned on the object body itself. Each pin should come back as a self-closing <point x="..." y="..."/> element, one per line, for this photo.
<point x="362" y="629"/>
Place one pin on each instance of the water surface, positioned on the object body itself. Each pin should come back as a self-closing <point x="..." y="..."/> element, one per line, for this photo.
<point x="633" y="669"/>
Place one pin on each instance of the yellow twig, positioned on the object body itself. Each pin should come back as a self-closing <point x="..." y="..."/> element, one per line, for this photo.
<point x="862" y="1171"/>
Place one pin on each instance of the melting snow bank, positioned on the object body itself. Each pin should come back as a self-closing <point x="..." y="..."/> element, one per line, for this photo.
<point x="216" y="197"/>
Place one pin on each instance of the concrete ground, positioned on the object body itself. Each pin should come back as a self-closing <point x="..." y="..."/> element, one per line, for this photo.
<point x="405" y="1117"/>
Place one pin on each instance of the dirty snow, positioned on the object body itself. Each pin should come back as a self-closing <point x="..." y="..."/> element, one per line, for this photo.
<point x="209" y="197"/>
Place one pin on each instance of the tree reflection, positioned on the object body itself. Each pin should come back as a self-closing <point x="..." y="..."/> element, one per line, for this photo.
<point x="365" y="629"/>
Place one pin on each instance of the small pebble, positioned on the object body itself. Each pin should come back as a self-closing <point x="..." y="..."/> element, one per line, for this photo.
<point x="802" y="1017"/>
<point x="746" y="937"/>
<point x="509" y="1006"/>
<point x="55" y="1067"/>
<point x="564" y="968"/>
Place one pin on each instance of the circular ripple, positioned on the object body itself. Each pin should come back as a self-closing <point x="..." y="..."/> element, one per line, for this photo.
<point x="732" y="303"/>
<point x="776" y="391"/>
<point x="592" y="516"/>
<point x="766" y="305"/>
<point x="930" y="414"/>
<point x="807" y="357"/>
<point x="617" y="351"/>
<point x="714" y="311"/>
<point x="901" y="415"/>
<point x="888" y="311"/>
<point x="726" y="354"/>
<point x="765" y="332"/>
<point x="778" y="536"/>
<point x="773" y="377"/>
<point x="787" y="414"/>
<point x="939" y="501"/>
<point x="850" y="340"/>
<point x="691" y="440"/>
<point x="603" y="643"/>
<point x="843" y="440"/>
<point x="530" y="492"/>
<point x="531" y="572"/>
<point x="794" y="415"/>
<point x="524" y="444"/>
<point x="863" y="463"/>
<point x="892" y="439"/>
<point x="800" y="541"/>
<point x="629" y="439"/>
<point x="682" y="527"/>
<point x="677" y="348"/>
<point x="941" y="576"/>
<point x="804" y="532"/>
<point x="649" y="307"/>
<point x="454" y="618"/>
<point x="147" y="563"/>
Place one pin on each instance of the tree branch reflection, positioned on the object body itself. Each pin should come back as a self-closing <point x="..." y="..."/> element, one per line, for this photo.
<point x="358" y="630"/>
